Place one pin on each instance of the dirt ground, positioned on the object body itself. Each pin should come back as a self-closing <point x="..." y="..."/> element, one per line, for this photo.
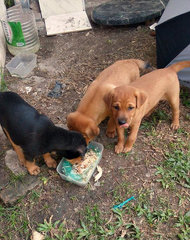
<point x="74" y="60"/>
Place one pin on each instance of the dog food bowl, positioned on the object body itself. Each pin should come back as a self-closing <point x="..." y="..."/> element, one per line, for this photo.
<point x="22" y="64"/>
<point x="65" y="168"/>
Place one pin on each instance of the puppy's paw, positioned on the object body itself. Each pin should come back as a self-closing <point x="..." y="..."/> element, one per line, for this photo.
<point x="119" y="148"/>
<point x="175" y="125"/>
<point x="110" y="134"/>
<point x="127" y="149"/>
<point x="34" y="170"/>
<point x="51" y="164"/>
<point x="75" y="160"/>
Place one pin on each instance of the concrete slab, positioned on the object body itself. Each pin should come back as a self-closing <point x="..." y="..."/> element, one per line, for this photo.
<point x="58" y="7"/>
<point x="64" y="16"/>
<point x="12" y="162"/>
<point x="13" y="192"/>
<point x="70" y="22"/>
<point x="4" y="178"/>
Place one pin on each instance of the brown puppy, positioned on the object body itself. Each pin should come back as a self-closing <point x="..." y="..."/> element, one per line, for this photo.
<point x="130" y="103"/>
<point x="92" y="108"/>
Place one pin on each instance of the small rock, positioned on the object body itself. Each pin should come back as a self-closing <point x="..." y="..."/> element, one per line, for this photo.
<point x="4" y="178"/>
<point x="37" y="236"/>
<point x="147" y="175"/>
<point x="61" y="125"/>
<point x="13" y="192"/>
<point x="56" y="92"/>
<point x="97" y="184"/>
<point x="13" y="163"/>
<point x="2" y="135"/>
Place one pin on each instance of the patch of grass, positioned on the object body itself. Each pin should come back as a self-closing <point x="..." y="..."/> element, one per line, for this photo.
<point x="182" y="131"/>
<point x="55" y="230"/>
<point x="93" y="225"/>
<point x="185" y="97"/>
<point x="183" y="224"/>
<point x="3" y="86"/>
<point x="147" y="125"/>
<point x="13" y="219"/>
<point x="9" y="3"/>
<point x="109" y="146"/>
<point x="121" y="190"/>
<point x="150" y="124"/>
<point x="153" y="214"/>
<point x="16" y="178"/>
<point x="159" y="115"/>
<point x="175" y="169"/>
<point x="34" y="195"/>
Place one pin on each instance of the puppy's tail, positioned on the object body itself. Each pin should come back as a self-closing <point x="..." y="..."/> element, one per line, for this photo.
<point x="142" y="65"/>
<point x="176" y="67"/>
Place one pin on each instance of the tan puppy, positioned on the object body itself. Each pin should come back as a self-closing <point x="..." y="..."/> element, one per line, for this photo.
<point x="130" y="103"/>
<point x="92" y="108"/>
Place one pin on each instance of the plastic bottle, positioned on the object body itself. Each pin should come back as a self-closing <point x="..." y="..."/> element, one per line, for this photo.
<point x="20" y="31"/>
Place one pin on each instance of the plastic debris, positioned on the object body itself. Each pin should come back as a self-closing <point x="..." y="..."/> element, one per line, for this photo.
<point x="22" y="64"/>
<point x="123" y="203"/>
<point x="153" y="26"/>
<point x="56" y="91"/>
<point x="98" y="176"/>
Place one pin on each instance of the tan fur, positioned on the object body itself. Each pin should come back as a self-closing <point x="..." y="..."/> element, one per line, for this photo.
<point x="92" y="108"/>
<point x="130" y="103"/>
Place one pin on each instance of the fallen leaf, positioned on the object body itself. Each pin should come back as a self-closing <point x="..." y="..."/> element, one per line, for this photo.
<point x="98" y="176"/>
<point x="37" y="236"/>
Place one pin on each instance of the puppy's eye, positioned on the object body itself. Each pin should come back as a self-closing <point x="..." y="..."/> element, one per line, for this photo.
<point x="130" y="108"/>
<point x="116" y="107"/>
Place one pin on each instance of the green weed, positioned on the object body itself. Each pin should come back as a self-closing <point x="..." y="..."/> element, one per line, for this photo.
<point x="175" y="169"/>
<point x="13" y="219"/>
<point x="9" y="3"/>
<point x="34" y="195"/>
<point x="3" y="86"/>
<point x="185" y="97"/>
<point x="150" y="124"/>
<point x="184" y="226"/>
<point x="153" y="215"/>
<point x="55" y="230"/>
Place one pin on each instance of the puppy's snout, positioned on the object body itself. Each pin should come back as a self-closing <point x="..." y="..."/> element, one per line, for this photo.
<point x="121" y="121"/>
<point x="82" y="151"/>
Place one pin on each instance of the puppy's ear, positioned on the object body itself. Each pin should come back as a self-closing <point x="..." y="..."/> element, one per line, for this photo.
<point x="108" y="99"/>
<point x="140" y="98"/>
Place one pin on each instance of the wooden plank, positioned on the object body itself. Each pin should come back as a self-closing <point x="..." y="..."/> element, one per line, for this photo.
<point x="64" y="23"/>
<point x="58" y="7"/>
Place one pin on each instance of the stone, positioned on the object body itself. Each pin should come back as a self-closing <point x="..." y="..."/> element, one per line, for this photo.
<point x="4" y="178"/>
<point x="13" y="163"/>
<point x="61" y="125"/>
<point x="3" y="138"/>
<point x="122" y="12"/>
<point x="19" y="189"/>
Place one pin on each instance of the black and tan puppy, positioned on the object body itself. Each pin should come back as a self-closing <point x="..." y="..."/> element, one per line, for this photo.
<point x="33" y="134"/>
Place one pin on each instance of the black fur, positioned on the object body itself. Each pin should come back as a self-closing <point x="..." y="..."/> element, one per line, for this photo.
<point x="35" y="133"/>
